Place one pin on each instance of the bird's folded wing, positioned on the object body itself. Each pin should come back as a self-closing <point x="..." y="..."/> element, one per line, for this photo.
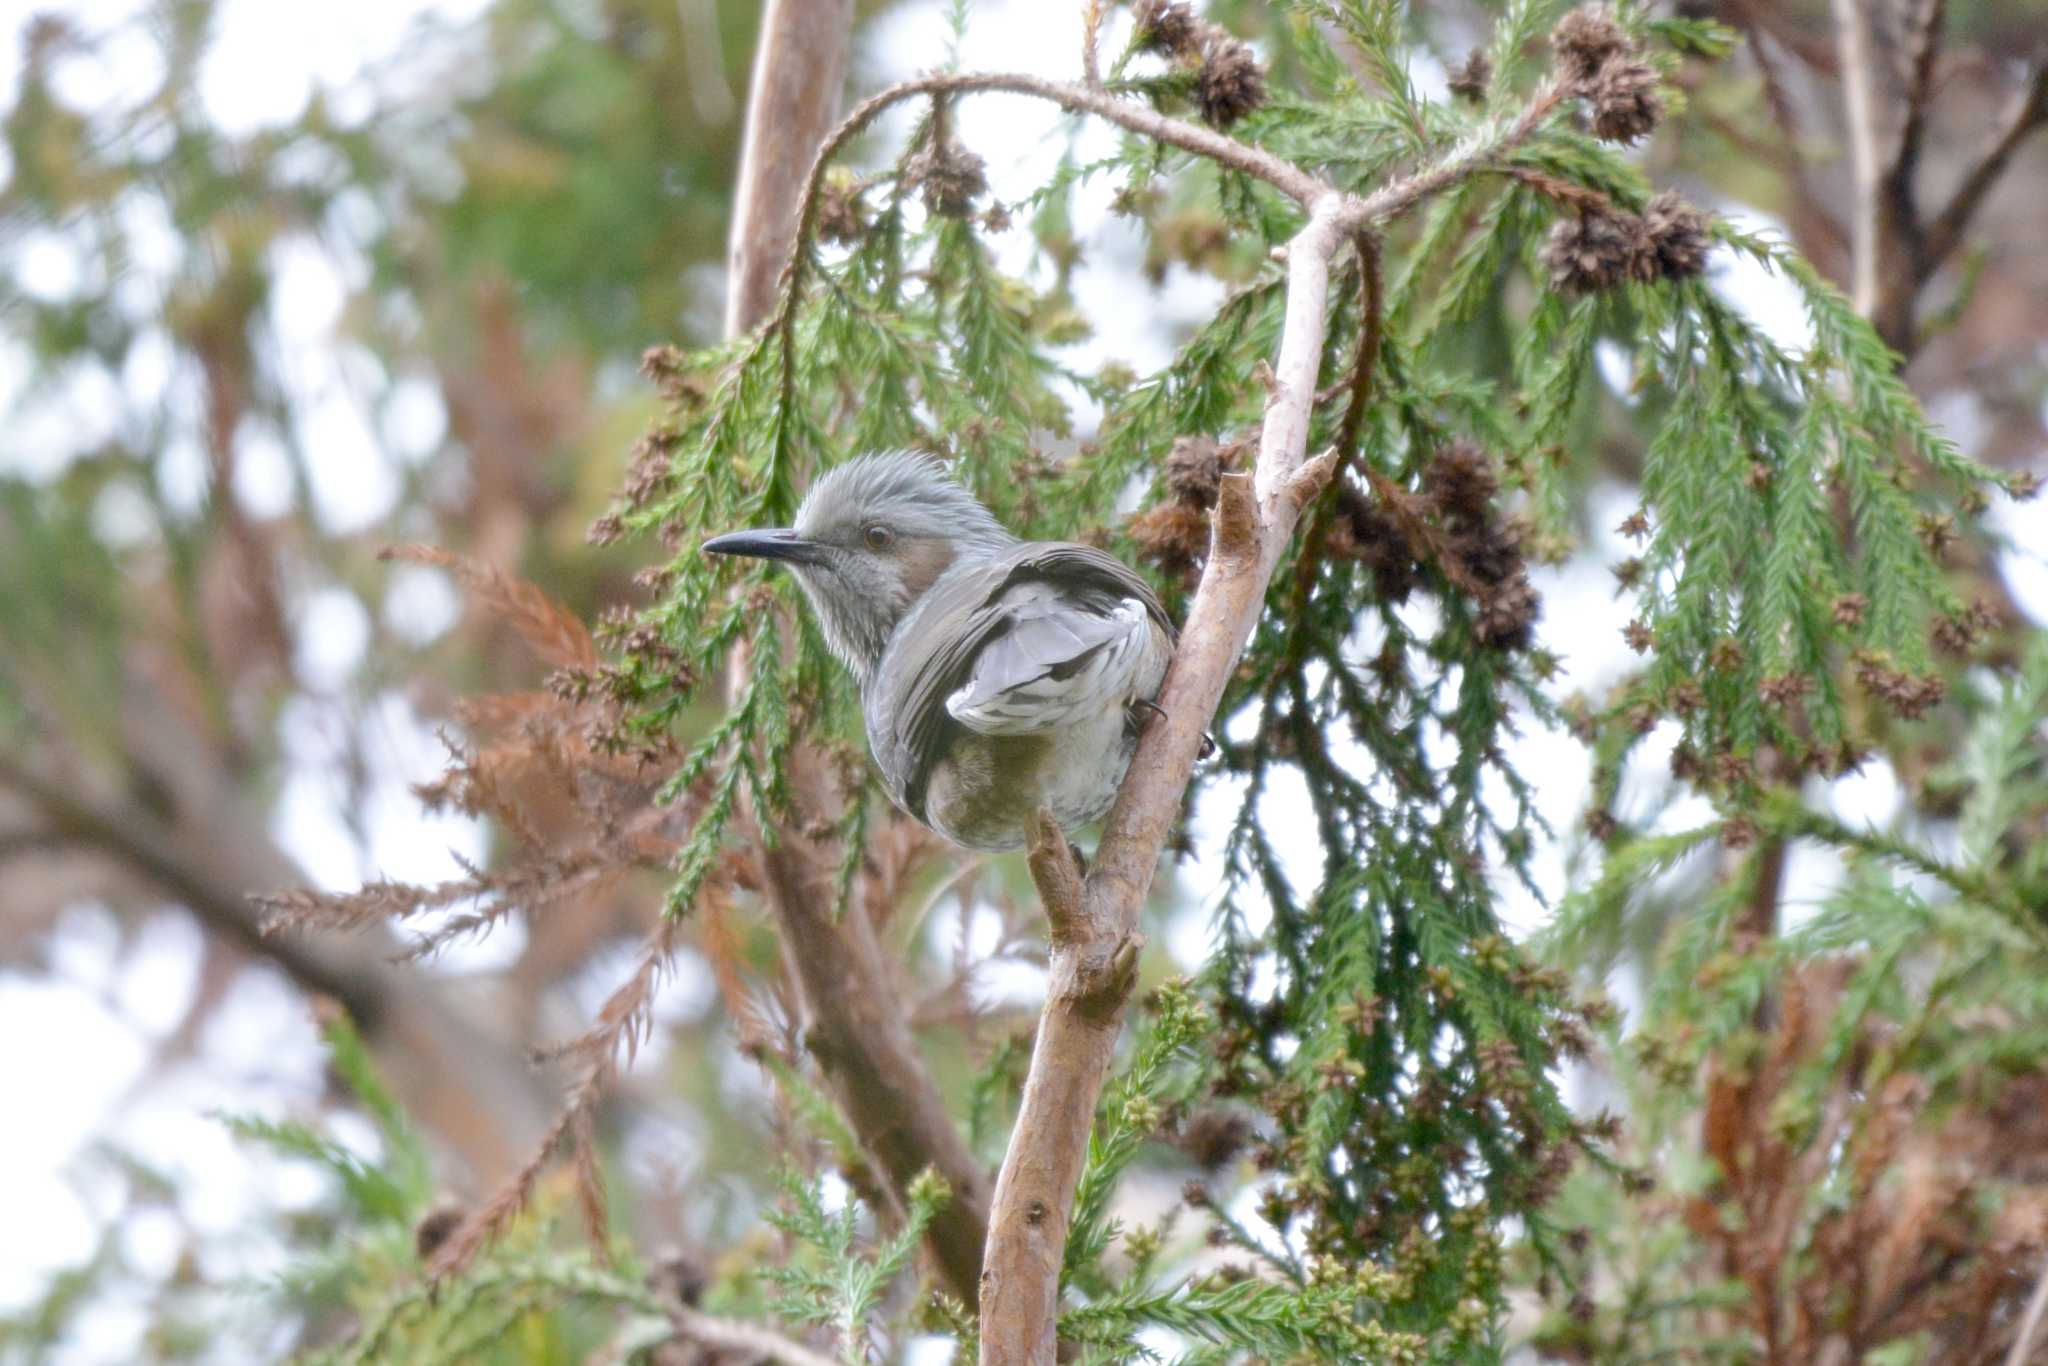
<point x="1039" y="645"/>
<point x="1031" y="614"/>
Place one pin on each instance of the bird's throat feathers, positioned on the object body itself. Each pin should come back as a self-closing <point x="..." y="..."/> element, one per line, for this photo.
<point x="858" y="625"/>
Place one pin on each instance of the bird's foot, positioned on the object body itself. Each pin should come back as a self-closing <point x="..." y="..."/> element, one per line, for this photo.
<point x="1145" y="704"/>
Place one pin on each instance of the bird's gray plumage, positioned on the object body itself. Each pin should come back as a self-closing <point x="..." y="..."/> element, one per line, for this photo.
<point x="997" y="675"/>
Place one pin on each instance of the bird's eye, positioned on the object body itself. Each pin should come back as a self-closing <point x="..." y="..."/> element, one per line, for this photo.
<point x="878" y="537"/>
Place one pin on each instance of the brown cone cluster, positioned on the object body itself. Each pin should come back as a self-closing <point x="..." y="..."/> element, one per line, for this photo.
<point x="1174" y="534"/>
<point x="947" y="176"/>
<point x="1585" y="38"/>
<point x="1910" y="696"/>
<point x="1452" y="523"/>
<point x="1678" y="233"/>
<point x="841" y="217"/>
<point x="1602" y="247"/>
<point x="1601" y="64"/>
<point x="1229" y="83"/>
<point x="1470" y="80"/>
<point x="1624" y="100"/>
<point x="1166" y="26"/>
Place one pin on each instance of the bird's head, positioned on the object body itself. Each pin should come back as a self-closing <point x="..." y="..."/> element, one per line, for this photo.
<point x="872" y="535"/>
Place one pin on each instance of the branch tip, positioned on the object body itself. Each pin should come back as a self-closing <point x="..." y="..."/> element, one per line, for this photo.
<point x="1057" y="876"/>
<point x="1103" y="978"/>
<point x="1235" y="531"/>
<point x="1311" y="479"/>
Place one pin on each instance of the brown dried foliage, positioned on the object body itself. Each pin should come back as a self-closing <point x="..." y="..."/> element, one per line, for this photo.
<point x="1937" y="1216"/>
<point x="547" y="768"/>
<point x="553" y="632"/>
<point x="1174" y="534"/>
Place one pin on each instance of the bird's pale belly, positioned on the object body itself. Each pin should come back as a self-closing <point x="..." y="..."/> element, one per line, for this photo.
<point x="983" y="792"/>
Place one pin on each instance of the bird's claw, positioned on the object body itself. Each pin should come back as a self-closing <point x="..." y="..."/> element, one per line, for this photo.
<point x="1147" y="704"/>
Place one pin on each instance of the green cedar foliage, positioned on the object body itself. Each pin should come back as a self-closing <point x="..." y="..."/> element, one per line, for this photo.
<point x="1402" y="1050"/>
<point x="1365" y="1033"/>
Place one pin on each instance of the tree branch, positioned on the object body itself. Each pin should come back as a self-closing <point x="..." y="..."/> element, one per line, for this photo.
<point x="1923" y="45"/>
<point x="860" y="1035"/>
<point x="137" y="841"/>
<point x="463" y="1083"/>
<point x="1945" y="233"/>
<point x="1859" y="97"/>
<point x="1091" y="969"/>
<point x="750" y="1340"/>
<point x="799" y="68"/>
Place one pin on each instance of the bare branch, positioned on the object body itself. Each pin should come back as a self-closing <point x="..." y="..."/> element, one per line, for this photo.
<point x="1923" y="45"/>
<point x="1859" y="77"/>
<point x="1945" y="232"/>
<point x="750" y="1340"/>
<point x="1056" y="875"/>
<point x="454" y="1075"/>
<point x="861" y="1038"/>
<point x="1091" y="972"/>
<point x="1091" y="34"/>
<point x="2030" y="1322"/>
<point x="799" y="67"/>
<point x="138" y="841"/>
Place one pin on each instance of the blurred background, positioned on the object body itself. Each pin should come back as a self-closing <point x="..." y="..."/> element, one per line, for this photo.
<point x="281" y="286"/>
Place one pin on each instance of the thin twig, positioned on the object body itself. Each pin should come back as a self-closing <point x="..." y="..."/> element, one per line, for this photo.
<point x="751" y="1340"/>
<point x="1091" y="34"/>
<point x="2030" y="1322"/>
<point x="1923" y="45"/>
<point x="1945" y="232"/>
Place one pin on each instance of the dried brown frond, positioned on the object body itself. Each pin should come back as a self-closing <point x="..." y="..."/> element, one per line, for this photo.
<point x="622" y="1024"/>
<point x="590" y="1185"/>
<point x="1937" y="1219"/>
<point x="552" y="631"/>
<point x="460" y="1247"/>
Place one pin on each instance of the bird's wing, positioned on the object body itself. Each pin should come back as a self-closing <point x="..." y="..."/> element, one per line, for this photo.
<point x="1036" y="612"/>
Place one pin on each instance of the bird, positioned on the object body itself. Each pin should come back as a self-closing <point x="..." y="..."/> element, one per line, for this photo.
<point x="998" y="676"/>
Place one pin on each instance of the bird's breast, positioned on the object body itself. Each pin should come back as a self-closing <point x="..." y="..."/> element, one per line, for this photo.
<point x="984" y="788"/>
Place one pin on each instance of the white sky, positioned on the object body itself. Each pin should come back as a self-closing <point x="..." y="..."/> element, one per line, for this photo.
<point x="112" y="1004"/>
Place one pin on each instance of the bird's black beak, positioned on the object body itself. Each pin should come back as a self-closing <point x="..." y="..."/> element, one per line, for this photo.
<point x="780" y="544"/>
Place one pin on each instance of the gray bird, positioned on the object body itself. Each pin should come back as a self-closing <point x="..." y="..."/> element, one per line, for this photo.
<point x="996" y="675"/>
